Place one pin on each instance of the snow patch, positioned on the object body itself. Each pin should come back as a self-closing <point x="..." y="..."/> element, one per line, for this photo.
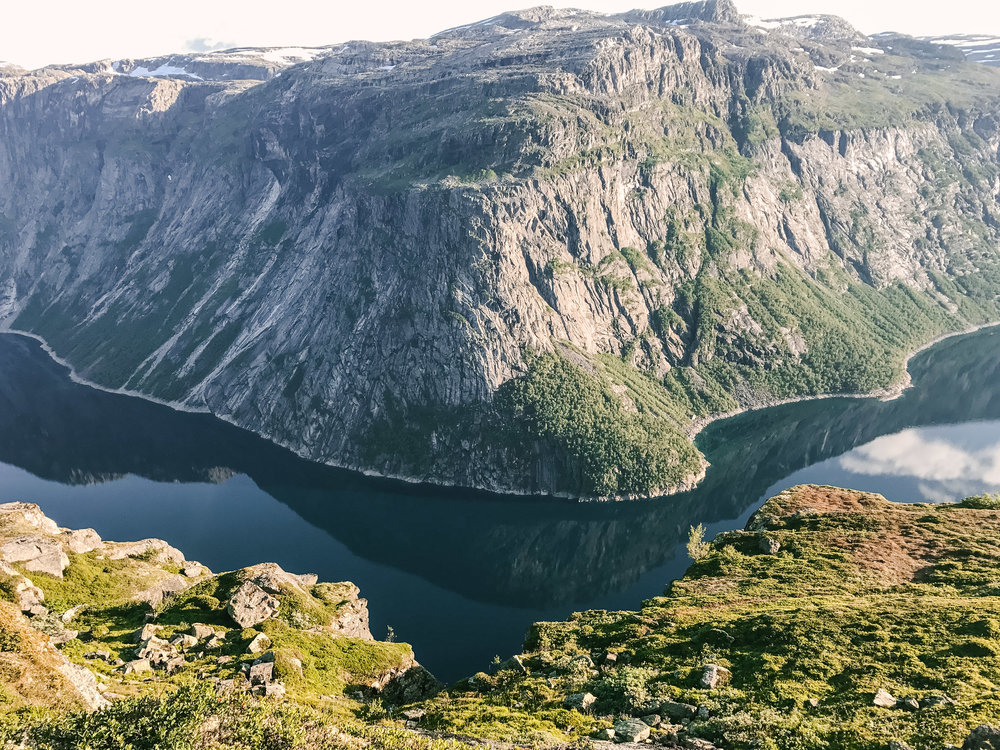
<point x="162" y="71"/>
<point x="869" y="50"/>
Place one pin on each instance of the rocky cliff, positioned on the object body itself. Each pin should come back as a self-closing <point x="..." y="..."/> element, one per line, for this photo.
<point x="527" y="254"/>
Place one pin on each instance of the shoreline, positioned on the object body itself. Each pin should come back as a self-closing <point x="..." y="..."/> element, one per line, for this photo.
<point x="889" y="393"/>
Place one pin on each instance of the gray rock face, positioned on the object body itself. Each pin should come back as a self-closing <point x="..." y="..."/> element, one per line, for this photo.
<point x="366" y="260"/>
<point x="39" y="554"/>
<point x="352" y="620"/>
<point x="250" y="605"/>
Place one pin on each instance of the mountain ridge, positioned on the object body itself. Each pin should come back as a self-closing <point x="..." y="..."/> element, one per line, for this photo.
<point x="524" y="255"/>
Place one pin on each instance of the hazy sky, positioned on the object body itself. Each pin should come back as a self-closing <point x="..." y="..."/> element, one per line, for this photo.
<point x="73" y="31"/>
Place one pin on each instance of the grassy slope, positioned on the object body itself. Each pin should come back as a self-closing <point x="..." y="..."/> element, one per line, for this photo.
<point x="864" y="594"/>
<point x="154" y="710"/>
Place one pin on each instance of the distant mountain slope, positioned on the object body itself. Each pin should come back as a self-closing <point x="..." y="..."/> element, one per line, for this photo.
<point x="529" y="254"/>
<point x="980" y="48"/>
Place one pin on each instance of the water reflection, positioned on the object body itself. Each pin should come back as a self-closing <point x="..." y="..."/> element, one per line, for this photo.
<point x="462" y="574"/>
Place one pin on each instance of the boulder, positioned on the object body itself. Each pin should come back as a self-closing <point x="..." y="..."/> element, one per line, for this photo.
<point x="579" y="702"/>
<point x="413" y="684"/>
<point x="38" y="553"/>
<point x="71" y="613"/>
<point x="259" y="644"/>
<point x="652" y="720"/>
<point x="137" y="666"/>
<point x="678" y="711"/>
<point x="769" y="545"/>
<point x="251" y="605"/>
<point x="261" y="674"/>
<point x="26" y="516"/>
<point x="697" y="743"/>
<point x="352" y="618"/>
<point x="81" y="541"/>
<point x="714" y="676"/>
<point x="274" y="690"/>
<point x="146" y="632"/>
<point x="200" y="631"/>
<point x="884" y="699"/>
<point x="631" y="730"/>
<point x="192" y="571"/>
<point x="155" y="551"/>
<point x="183" y="641"/>
<point x="910" y="704"/>
<point x="85" y="683"/>
<point x="414" y="714"/>
<point x="155" y="594"/>
<point x="936" y="700"/>
<point x="102" y="655"/>
<point x="607" y="735"/>
<point x="983" y="737"/>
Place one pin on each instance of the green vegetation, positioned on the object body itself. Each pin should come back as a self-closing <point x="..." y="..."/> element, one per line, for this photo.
<point x="194" y="718"/>
<point x="861" y="595"/>
<point x="609" y="450"/>
<point x="697" y="547"/>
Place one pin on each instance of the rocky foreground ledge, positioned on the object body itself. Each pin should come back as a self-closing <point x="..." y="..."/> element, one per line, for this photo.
<point x="84" y="622"/>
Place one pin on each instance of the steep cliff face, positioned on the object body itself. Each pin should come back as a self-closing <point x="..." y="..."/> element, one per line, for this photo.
<point x="526" y="254"/>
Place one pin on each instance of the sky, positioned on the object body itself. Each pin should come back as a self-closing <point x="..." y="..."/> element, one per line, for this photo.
<point x="76" y="31"/>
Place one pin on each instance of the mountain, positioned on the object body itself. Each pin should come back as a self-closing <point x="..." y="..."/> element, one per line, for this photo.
<point x="980" y="48"/>
<point x="531" y="254"/>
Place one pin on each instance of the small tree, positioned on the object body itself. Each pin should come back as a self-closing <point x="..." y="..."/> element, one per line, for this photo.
<point x="697" y="547"/>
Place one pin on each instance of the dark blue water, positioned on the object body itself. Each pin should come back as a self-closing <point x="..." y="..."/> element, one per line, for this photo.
<point x="461" y="575"/>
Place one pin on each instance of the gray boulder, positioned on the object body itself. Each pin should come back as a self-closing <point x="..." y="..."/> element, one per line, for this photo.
<point x="81" y="541"/>
<point x="262" y="673"/>
<point x="678" y="711"/>
<point x="884" y="699"/>
<point x="714" y="676"/>
<point x="200" y="631"/>
<point x="259" y="644"/>
<point x="38" y="553"/>
<point x="579" y="702"/>
<point x="769" y="545"/>
<point x="983" y="737"/>
<point x="250" y="605"/>
<point x="631" y="730"/>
